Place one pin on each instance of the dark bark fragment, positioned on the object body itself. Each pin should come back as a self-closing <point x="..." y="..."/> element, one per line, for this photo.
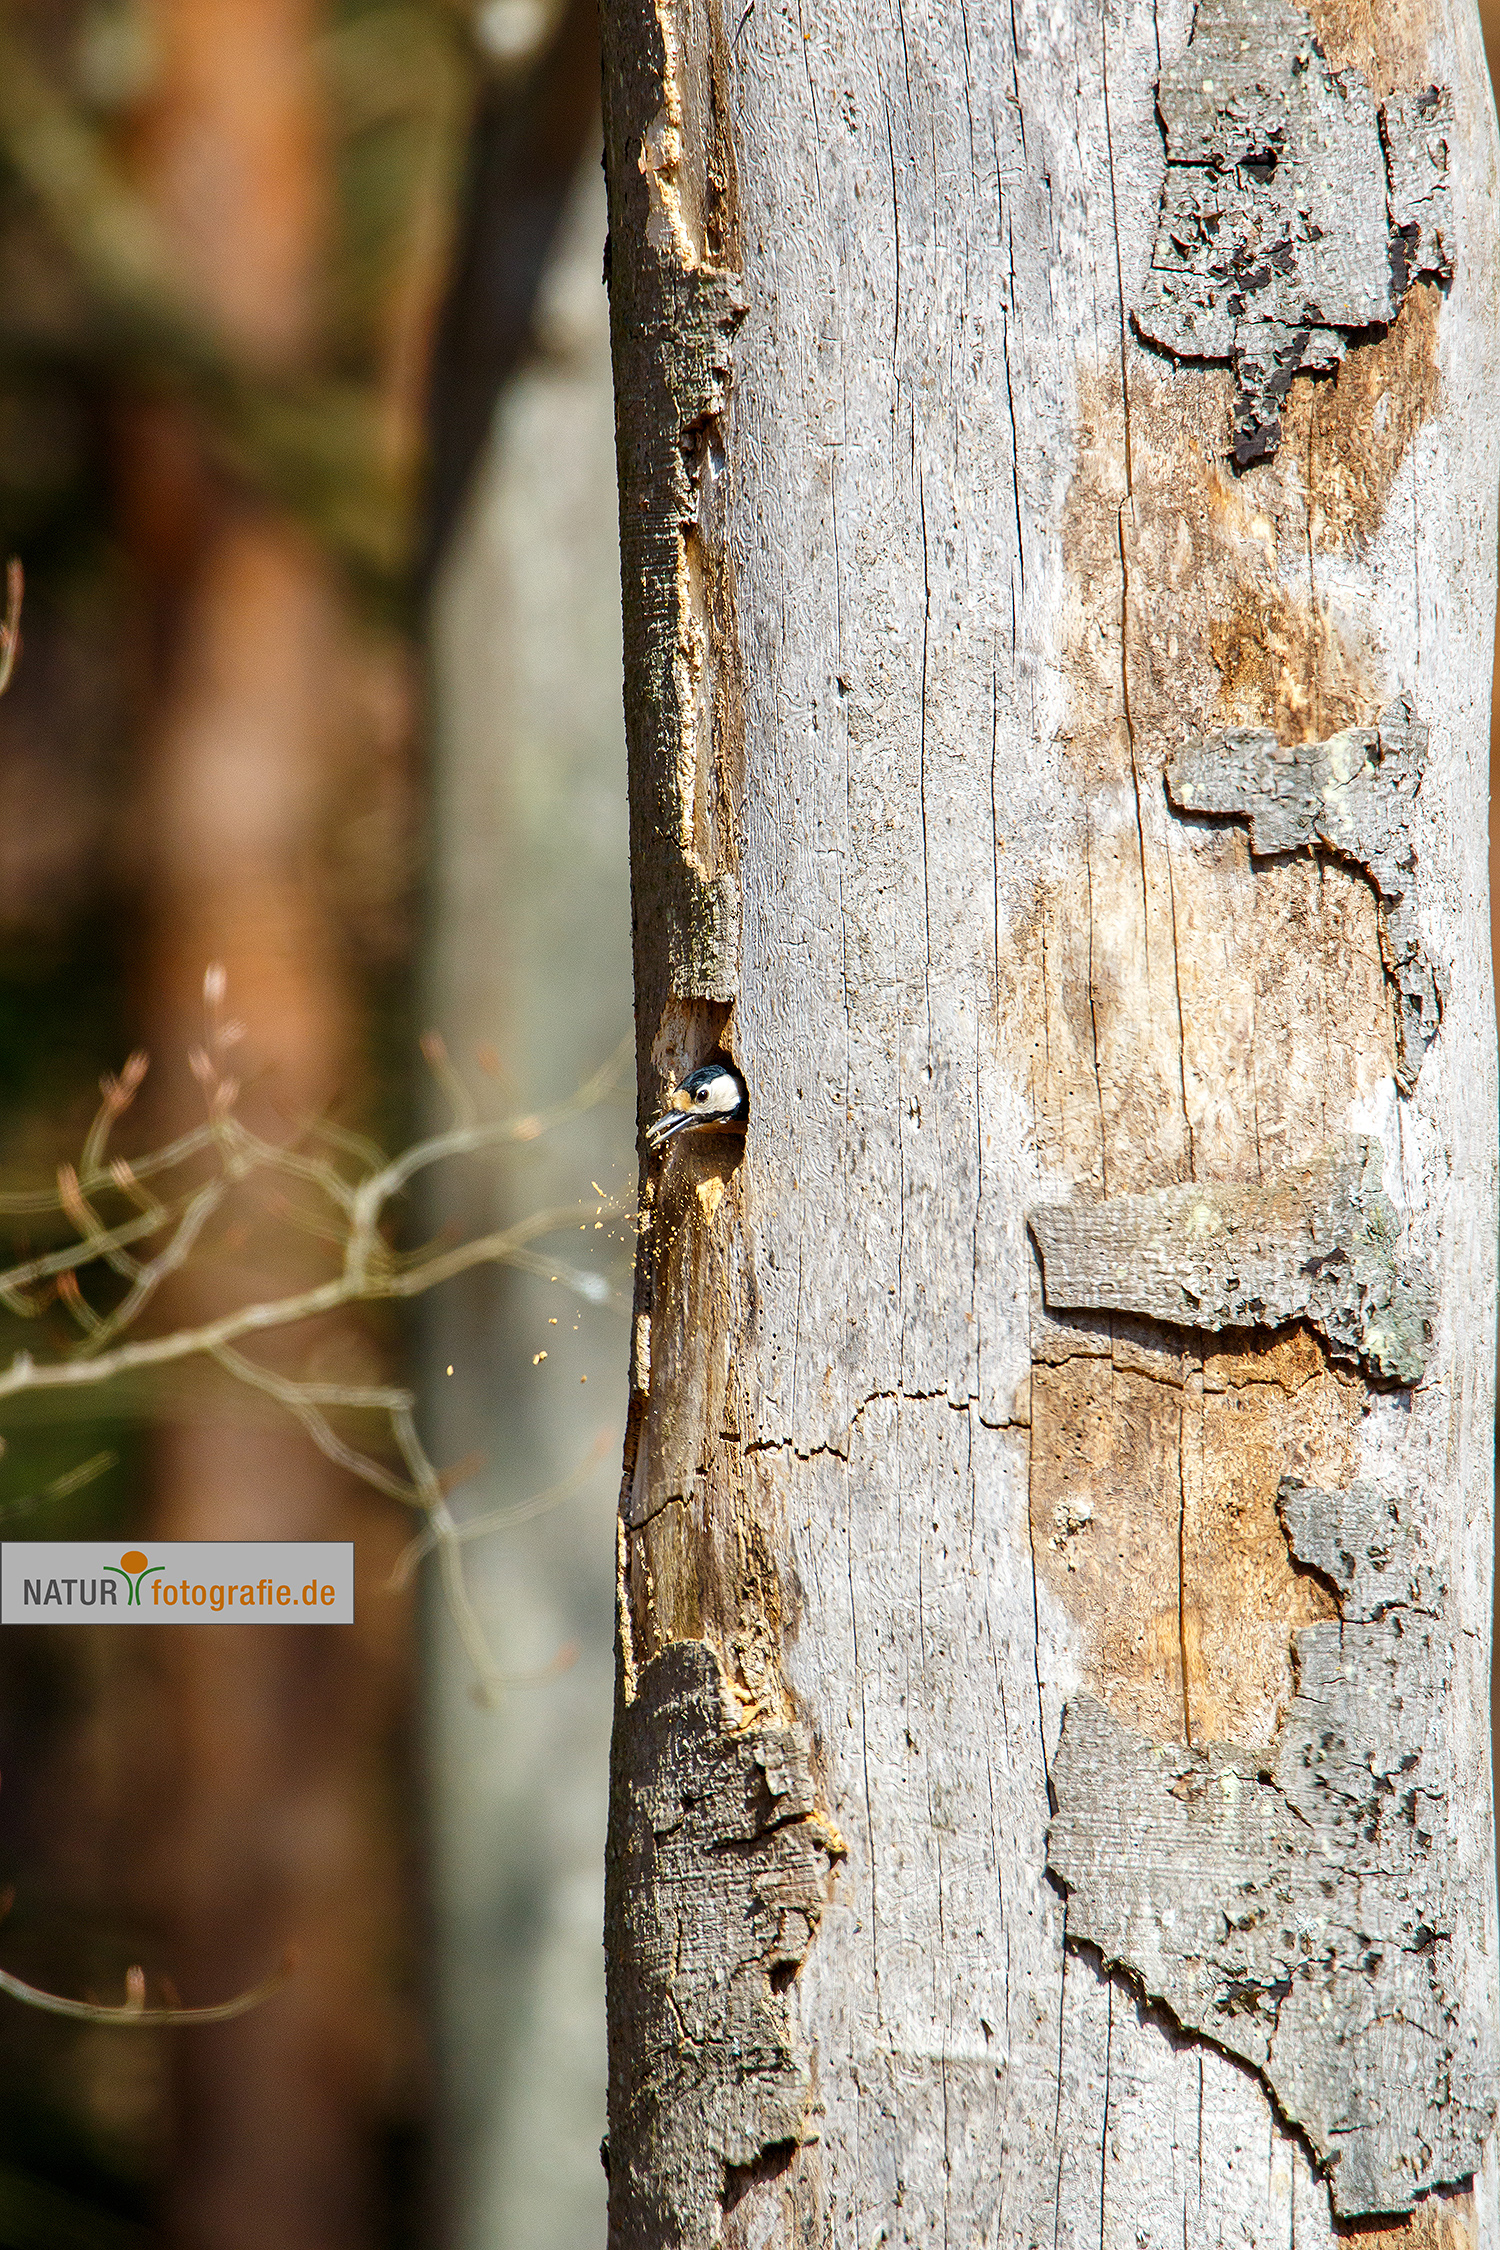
<point x="1298" y="1906"/>
<point x="1316" y="1243"/>
<point x="717" y="1868"/>
<point x="1293" y="215"/>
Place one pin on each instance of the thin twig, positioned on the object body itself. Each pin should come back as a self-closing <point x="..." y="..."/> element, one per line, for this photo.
<point x="84" y="1253"/>
<point x="435" y="1505"/>
<point x="500" y="1519"/>
<point x="117" y="1095"/>
<point x="301" y="1399"/>
<point x="194" y="1219"/>
<point x="10" y="631"/>
<point x="72" y="1480"/>
<point x="370" y="1272"/>
<point x="460" y="1100"/>
<point x="500" y="1248"/>
<point x="133" y="2011"/>
<point x="29" y="1203"/>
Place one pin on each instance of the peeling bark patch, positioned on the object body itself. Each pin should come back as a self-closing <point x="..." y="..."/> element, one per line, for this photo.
<point x="1298" y="1908"/>
<point x="716" y="1880"/>
<point x="1293" y="214"/>
<point x="1442" y="2222"/>
<point x="1354" y="795"/>
<point x="1315" y="1243"/>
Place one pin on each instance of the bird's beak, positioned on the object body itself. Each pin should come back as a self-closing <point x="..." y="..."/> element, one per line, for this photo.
<point x="677" y="1115"/>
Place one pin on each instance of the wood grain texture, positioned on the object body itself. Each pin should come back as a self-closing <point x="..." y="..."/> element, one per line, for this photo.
<point x="990" y="569"/>
<point x="1154" y="1475"/>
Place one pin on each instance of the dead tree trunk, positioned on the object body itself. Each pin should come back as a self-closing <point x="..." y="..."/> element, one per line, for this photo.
<point x="1058" y="470"/>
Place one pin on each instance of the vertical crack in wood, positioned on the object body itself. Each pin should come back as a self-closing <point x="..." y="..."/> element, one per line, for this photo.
<point x="1298" y="1906"/>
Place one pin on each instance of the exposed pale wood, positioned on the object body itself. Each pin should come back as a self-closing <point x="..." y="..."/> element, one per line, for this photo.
<point x="983" y="571"/>
<point x="1352" y="795"/>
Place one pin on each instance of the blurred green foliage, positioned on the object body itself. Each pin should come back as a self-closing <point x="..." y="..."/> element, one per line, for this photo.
<point x="92" y="308"/>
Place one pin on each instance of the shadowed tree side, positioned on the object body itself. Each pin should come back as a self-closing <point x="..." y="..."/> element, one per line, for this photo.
<point x="525" y="146"/>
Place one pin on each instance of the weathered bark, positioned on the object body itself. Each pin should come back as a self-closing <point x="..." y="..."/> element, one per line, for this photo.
<point x="1067" y="1425"/>
<point x="524" y="152"/>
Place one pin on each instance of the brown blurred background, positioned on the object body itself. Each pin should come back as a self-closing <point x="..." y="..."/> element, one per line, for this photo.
<point x="303" y="361"/>
<point x="306" y="439"/>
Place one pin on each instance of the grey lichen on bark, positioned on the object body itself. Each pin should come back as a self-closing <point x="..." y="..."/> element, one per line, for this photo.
<point x="1353" y="795"/>
<point x="717" y="1871"/>
<point x="1293" y="214"/>
<point x="1315" y="1243"/>
<point x="1297" y="1906"/>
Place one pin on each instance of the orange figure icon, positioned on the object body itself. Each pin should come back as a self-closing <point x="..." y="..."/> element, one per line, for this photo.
<point x="133" y="1568"/>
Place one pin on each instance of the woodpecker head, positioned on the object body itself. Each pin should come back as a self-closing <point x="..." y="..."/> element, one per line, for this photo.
<point x="714" y="1096"/>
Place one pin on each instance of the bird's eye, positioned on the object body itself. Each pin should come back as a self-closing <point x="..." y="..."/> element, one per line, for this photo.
<point x="701" y="1095"/>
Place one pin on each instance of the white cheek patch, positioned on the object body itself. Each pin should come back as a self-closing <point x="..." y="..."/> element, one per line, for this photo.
<point x="723" y="1096"/>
